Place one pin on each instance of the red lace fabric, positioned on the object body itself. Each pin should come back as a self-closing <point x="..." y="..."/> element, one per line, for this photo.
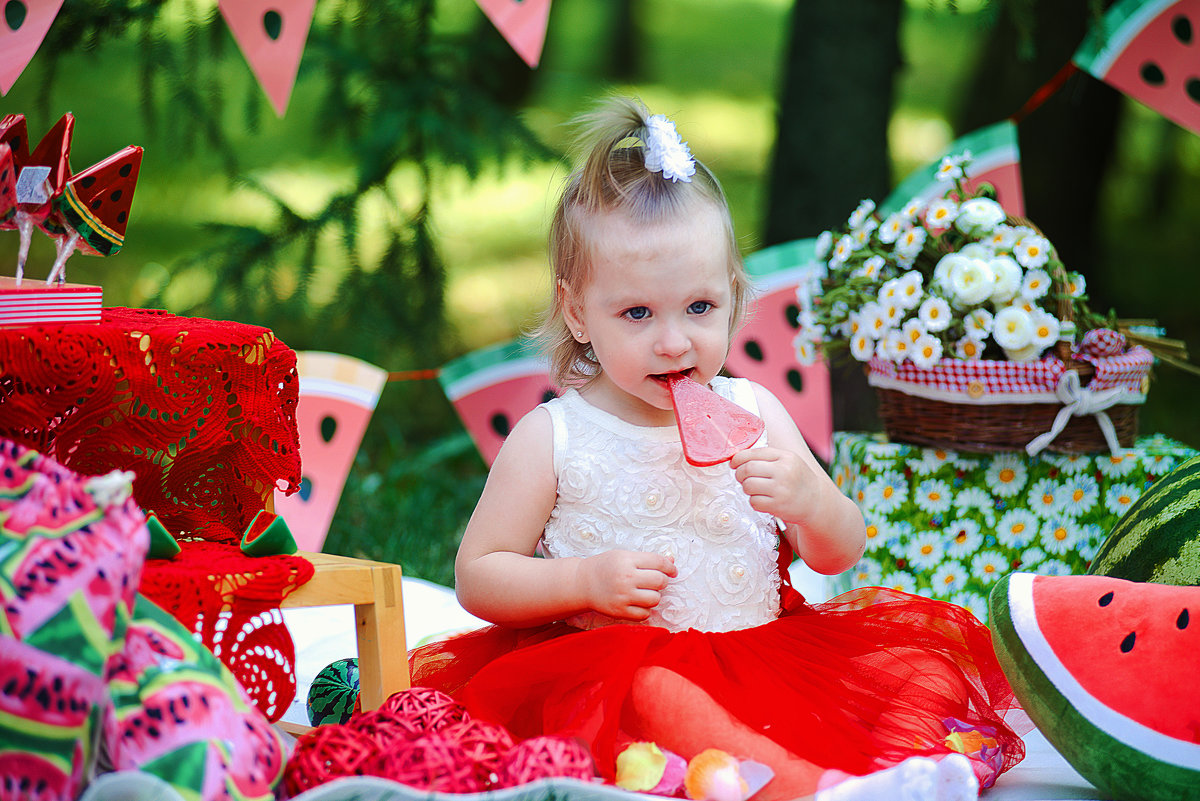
<point x="202" y="411"/>
<point x="864" y="680"/>
<point x="230" y="602"/>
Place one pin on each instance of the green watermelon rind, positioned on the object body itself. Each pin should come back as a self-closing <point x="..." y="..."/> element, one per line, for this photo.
<point x="787" y="260"/>
<point x="1107" y="40"/>
<point x="487" y="366"/>
<point x="1152" y="541"/>
<point x="990" y="147"/>
<point x="1110" y="750"/>
<point x="99" y="237"/>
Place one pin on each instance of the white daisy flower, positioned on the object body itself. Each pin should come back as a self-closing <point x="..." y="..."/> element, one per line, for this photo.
<point x="978" y="323"/>
<point x="1017" y="528"/>
<point x="889" y="292"/>
<point x="1091" y="537"/>
<point x="1008" y="278"/>
<point x="1043" y="499"/>
<point x="897" y="345"/>
<point x="900" y="580"/>
<point x="1003" y="238"/>
<point x="968" y="348"/>
<point x="949" y="578"/>
<point x="912" y="208"/>
<point x="978" y="216"/>
<point x="843" y="250"/>
<point x="862" y="234"/>
<point x="951" y="167"/>
<point x="862" y="346"/>
<point x="1045" y="328"/>
<point x="892" y="227"/>
<point x="941" y="213"/>
<point x="933" y="495"/>
<point x="1117" y="466"/>
<point x="931" y="460"/>
<point x="926" y="551"/>
<point x="989" y="566"/>
<point x="964" y="538"/>
<point x="1120" y="496"/>
<point x="911" y="290"/>
<point x="1035" y="285"/>
<point x="926" y="351"/>
<point x="909" y="243"/>
<point x="935" y="314"/>
<point x="973" y="499"/>
<point x="973" y="602"/>
<point x="1032" y="251"/>
<point x="1032" y="557"/>
<point x="874" y="323"/>
<point x="1055" y="567"/>
<point x="823" y="245"/>
<point x="1158" y="464"/>
<point x="870" y="268"/>
<point x="1006" y="475"/>
<point x="867" y="573"/>
<point x="1076" y="286"/>
<point x="1068" y="463"/>
<point x="1012" y="328"/>
<point x="1059" y="535"/>
<point x="861" y="214"/>
<point x="913" y="329"/>
<point x="807" y="350"/>
<point x="971" y="282"/>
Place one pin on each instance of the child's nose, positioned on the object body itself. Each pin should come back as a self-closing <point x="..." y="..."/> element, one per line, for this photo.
<point x="672" y="341"/>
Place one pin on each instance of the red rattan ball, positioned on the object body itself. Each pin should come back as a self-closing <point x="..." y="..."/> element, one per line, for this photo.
<point x="326" y="753"/>
<point x="431" y="710"/>
<point x="485" y="743"/>
<point x="430" y="762"/>
<point x="543" y="757"/>
<point x="385" y="729"/>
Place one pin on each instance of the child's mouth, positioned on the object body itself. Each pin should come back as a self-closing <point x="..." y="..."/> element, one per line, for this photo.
<point x="663" y="378"/>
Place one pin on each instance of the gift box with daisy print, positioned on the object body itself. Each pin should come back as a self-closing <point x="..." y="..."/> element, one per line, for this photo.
<point x="948" y="525"/>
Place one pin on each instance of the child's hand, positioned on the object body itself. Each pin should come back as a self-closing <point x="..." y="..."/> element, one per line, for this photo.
<point x="625" y="584"/>
<point x="777" y="480"/>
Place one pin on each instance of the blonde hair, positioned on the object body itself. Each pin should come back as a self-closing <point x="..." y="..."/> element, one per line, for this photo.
<point x="611" y="176"/>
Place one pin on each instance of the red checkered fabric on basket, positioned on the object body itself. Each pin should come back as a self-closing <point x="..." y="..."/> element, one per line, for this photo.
<point x="1126" y="370"/>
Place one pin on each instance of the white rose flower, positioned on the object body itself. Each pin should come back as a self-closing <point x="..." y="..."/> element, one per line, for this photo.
<point x="978" y="323"/>
<point x="945" y="265"/>
<point x="926" y="351"/>
<point x="892" y="227"/>
<point x="1029" y="353"/>
<point x="935" y="313"/>
<point x="1035" y="285"/>
<point x="1032" y="251"/>
<point x="978" y="216"/>
<point x="1012" y="328"/>
<point x="1008" y="278"/>
<point x="861" y="213"/>
<point x="941" y="213"/>
<point x="971" y="282"/>
<point x="977" y="250"/>
<point x="823" y="245"/>
<point x="1045" y="328"/>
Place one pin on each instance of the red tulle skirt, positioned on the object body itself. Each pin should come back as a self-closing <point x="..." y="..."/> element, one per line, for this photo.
<point x="854" y="684"/>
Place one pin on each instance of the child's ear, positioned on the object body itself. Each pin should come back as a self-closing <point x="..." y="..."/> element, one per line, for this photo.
<point x="568" y="301"/>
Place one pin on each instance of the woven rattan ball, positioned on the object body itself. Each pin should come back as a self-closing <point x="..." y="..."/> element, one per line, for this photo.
<point x="430" y="762"/>
<point x="431" y="710"/>
<point x="385" y="729"/>
<point x="487" y="744"/>
<point x="543" y="757"/>
<point x="326" y="753"/>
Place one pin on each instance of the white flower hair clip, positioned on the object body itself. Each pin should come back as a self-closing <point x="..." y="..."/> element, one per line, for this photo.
<point x="666" y="152"/>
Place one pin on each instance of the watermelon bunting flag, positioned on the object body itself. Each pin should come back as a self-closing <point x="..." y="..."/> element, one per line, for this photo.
<point x="271" y="35"/>
<point x="23" y="26"/>
<point x="522" y="23"/>
<point x="94" y="207"/>
<point x="995" y="159"/>
<point x="1147" y="49"/>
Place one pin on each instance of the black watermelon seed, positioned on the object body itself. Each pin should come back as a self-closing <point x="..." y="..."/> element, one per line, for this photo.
<point x="1181" y="622"/>
<point x="500" y="424"/>
<point x="795" y="380"/>
<point x="792" y="315"/>
<point x="1152" y="74"/>
<point x="1192" y="87"/>
<point x="1181" y="26"/>
<point x="1106" y="598"/>
<point x="753" y="350"/>
<point x="1127" y="643"/>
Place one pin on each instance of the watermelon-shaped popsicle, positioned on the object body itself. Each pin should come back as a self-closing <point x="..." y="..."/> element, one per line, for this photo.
<point x="1147" y="49"/>
<point x="1104" y="667"/>
<point x="712" y="428"/>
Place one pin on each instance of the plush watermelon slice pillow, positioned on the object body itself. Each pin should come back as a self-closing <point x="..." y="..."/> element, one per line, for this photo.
<point x="1105" y="668"/>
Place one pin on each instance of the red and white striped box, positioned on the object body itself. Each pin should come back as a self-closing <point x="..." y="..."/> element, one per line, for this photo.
<point x="32" y="302"/>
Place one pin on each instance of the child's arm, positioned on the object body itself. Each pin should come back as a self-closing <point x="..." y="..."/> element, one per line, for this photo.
<point x="825" y="527"/>
<point x="497" y="576"/>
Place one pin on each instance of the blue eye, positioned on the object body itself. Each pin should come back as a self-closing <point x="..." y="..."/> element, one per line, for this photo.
<point x="637" y="313"/>
<point x="700" y="307"/>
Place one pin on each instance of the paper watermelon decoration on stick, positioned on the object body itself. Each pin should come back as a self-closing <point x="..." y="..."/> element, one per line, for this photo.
<point x="95" y="208"/>
<point x="1147" y="49"/>
<point x="41" y="180"/>
<point x="8" y="185"/>
<point x="1103" y="667"/>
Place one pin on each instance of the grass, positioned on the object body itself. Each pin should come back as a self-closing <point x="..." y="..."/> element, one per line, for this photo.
<point x="709" y="63"/>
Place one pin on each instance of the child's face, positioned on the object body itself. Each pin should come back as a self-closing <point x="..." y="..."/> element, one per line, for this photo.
<point x="658" y="302"/>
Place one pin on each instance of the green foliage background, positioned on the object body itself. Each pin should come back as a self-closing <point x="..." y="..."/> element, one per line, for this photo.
<point x="398" y="211"/>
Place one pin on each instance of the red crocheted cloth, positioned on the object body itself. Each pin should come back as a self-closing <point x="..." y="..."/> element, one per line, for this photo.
<point x="229" y="601"/>
<point x="202" y="411"/>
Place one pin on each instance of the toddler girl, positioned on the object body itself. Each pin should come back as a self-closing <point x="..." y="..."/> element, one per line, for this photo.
<point x="638" y="597"/>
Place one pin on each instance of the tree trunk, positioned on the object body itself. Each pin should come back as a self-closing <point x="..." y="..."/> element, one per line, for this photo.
<point x="831" y="149"/>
